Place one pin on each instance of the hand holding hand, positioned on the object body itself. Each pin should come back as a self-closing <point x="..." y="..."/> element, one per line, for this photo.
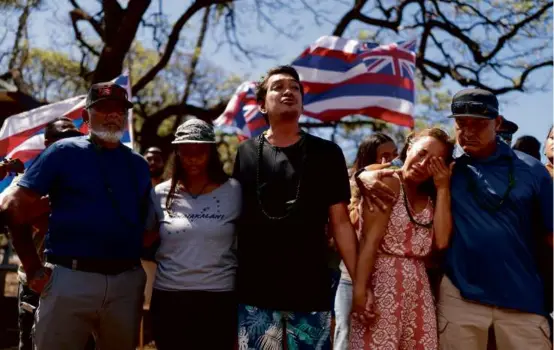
<point x="363" y="305"/>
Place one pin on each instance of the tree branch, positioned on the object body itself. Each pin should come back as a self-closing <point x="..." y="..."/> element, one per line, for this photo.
<point x="504" y="38"/>
<point x="22" y="24"/>
<point x="186" y="109"/>
<point x="172" y="42"/>
<point x="118" y="38"/>
<point x="76" y="16"/>
<point x="83" y="15"/>
<point x="349" y="17"/>
<point x="356" y="14"/>
<point x="113" y="17"/>
<point x="196" y="54"/>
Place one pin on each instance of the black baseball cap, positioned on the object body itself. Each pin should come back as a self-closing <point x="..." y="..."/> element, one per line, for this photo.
<point x="507" y="126"/>
<point x="477" y="103"/>
<point x="107" y="91"/>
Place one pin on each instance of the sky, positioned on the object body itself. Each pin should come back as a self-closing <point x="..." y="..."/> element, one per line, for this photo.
<point x="533" y="112"/>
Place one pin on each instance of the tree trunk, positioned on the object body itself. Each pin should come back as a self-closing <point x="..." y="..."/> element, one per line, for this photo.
<point x="118" y="40"/>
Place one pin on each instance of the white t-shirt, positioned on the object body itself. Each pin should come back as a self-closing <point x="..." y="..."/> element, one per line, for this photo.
<point x="198" y="239"/>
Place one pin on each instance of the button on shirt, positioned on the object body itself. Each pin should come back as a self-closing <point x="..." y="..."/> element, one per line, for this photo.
<point x="491" y="258"/>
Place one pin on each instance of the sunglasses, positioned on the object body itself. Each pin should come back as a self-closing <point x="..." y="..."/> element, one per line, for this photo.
<point x="477" y="108"/>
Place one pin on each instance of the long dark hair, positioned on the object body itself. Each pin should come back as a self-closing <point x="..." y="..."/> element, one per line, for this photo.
<point x="214" y="170"/>
<point x="367" y="152"/>
<point x="367" y="155"/>
<point x="404" y="151"/>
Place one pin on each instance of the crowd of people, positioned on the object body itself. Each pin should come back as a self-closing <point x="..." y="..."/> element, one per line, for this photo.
<point x="445" y="244"/>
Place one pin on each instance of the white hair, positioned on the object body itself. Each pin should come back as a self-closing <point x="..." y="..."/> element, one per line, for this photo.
<point x="108" y="136"/>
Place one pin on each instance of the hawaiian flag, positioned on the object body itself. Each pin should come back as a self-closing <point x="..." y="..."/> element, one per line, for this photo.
<point x="22" y="135"/>
<point x="343" y="77"/>
<point x="242" y="112"/>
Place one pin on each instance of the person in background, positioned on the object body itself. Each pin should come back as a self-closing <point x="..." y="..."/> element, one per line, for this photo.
<point x="549" y="151"/>
<point x="376" y="148"/>
<point x="294" y="185"/>
<point x="506" y="130"/>
<point x="196" y="210"/>
<point x="399" y="161"/>
<point x="544" y="251"/>
<point x="393" y="284"/>
<point x="57" y="129"/>
<point x="99" y="191"/>
<point x="529" y="145"/>
<point x="499" y="197"/>
<point x="156" y="164"/>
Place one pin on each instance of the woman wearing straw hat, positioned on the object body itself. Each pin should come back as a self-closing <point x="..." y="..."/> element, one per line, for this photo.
<point x="195" y="278"/>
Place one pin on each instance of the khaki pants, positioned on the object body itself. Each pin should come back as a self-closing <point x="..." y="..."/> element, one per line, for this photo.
<point x="75" y="304"/>
<point x="464" y="325"/>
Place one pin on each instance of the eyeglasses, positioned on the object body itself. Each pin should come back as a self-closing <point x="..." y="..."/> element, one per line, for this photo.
<point x="478" y="108"/>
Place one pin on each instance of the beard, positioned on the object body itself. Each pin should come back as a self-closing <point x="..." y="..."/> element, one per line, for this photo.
<point x="108" y="136"/>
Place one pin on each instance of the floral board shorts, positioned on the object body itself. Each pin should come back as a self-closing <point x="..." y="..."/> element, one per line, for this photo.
<point x="261" y="329"/>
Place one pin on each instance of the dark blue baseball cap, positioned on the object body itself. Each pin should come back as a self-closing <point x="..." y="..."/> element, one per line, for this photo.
<point x="477" y="103"/>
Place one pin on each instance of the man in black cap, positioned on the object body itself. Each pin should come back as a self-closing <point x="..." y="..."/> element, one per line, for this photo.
<point x="491" y="276"/>
<point x="506" y="130"/>
<point x="92" y="281"/>
<point x="156" y="164"/>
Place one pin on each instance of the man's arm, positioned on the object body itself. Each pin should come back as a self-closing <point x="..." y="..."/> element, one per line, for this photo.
<point x="344" y="235"/>
<point x="16" y="207"/>
<point x="373" y="188"/>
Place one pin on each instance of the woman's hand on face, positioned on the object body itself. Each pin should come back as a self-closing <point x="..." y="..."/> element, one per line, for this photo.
<point x="441" y="172"/>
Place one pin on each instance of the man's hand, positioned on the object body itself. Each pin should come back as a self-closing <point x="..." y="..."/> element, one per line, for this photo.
<point x="37" y="280"/>
<point x="373" y="189"/>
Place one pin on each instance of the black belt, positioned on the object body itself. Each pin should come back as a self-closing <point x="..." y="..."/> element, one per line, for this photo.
<point x="104" y="266"/>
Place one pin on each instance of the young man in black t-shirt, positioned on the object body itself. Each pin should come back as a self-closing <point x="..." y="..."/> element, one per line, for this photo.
<point x="293" y="185"/>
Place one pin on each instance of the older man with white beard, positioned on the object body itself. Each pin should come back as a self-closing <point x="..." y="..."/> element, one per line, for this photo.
<point x="92" y="280"/>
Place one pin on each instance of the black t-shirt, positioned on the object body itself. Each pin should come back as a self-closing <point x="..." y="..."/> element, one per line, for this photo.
<point x="283" y="264"/>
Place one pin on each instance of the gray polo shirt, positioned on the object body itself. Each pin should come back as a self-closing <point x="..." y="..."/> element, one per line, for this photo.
<point x="197" y="250"/>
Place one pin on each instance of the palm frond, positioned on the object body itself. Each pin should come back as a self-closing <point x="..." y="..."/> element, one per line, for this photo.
<point x="272" y="339"/>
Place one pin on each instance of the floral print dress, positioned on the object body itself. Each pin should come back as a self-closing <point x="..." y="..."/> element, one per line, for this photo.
<point x="406" y="316"/>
